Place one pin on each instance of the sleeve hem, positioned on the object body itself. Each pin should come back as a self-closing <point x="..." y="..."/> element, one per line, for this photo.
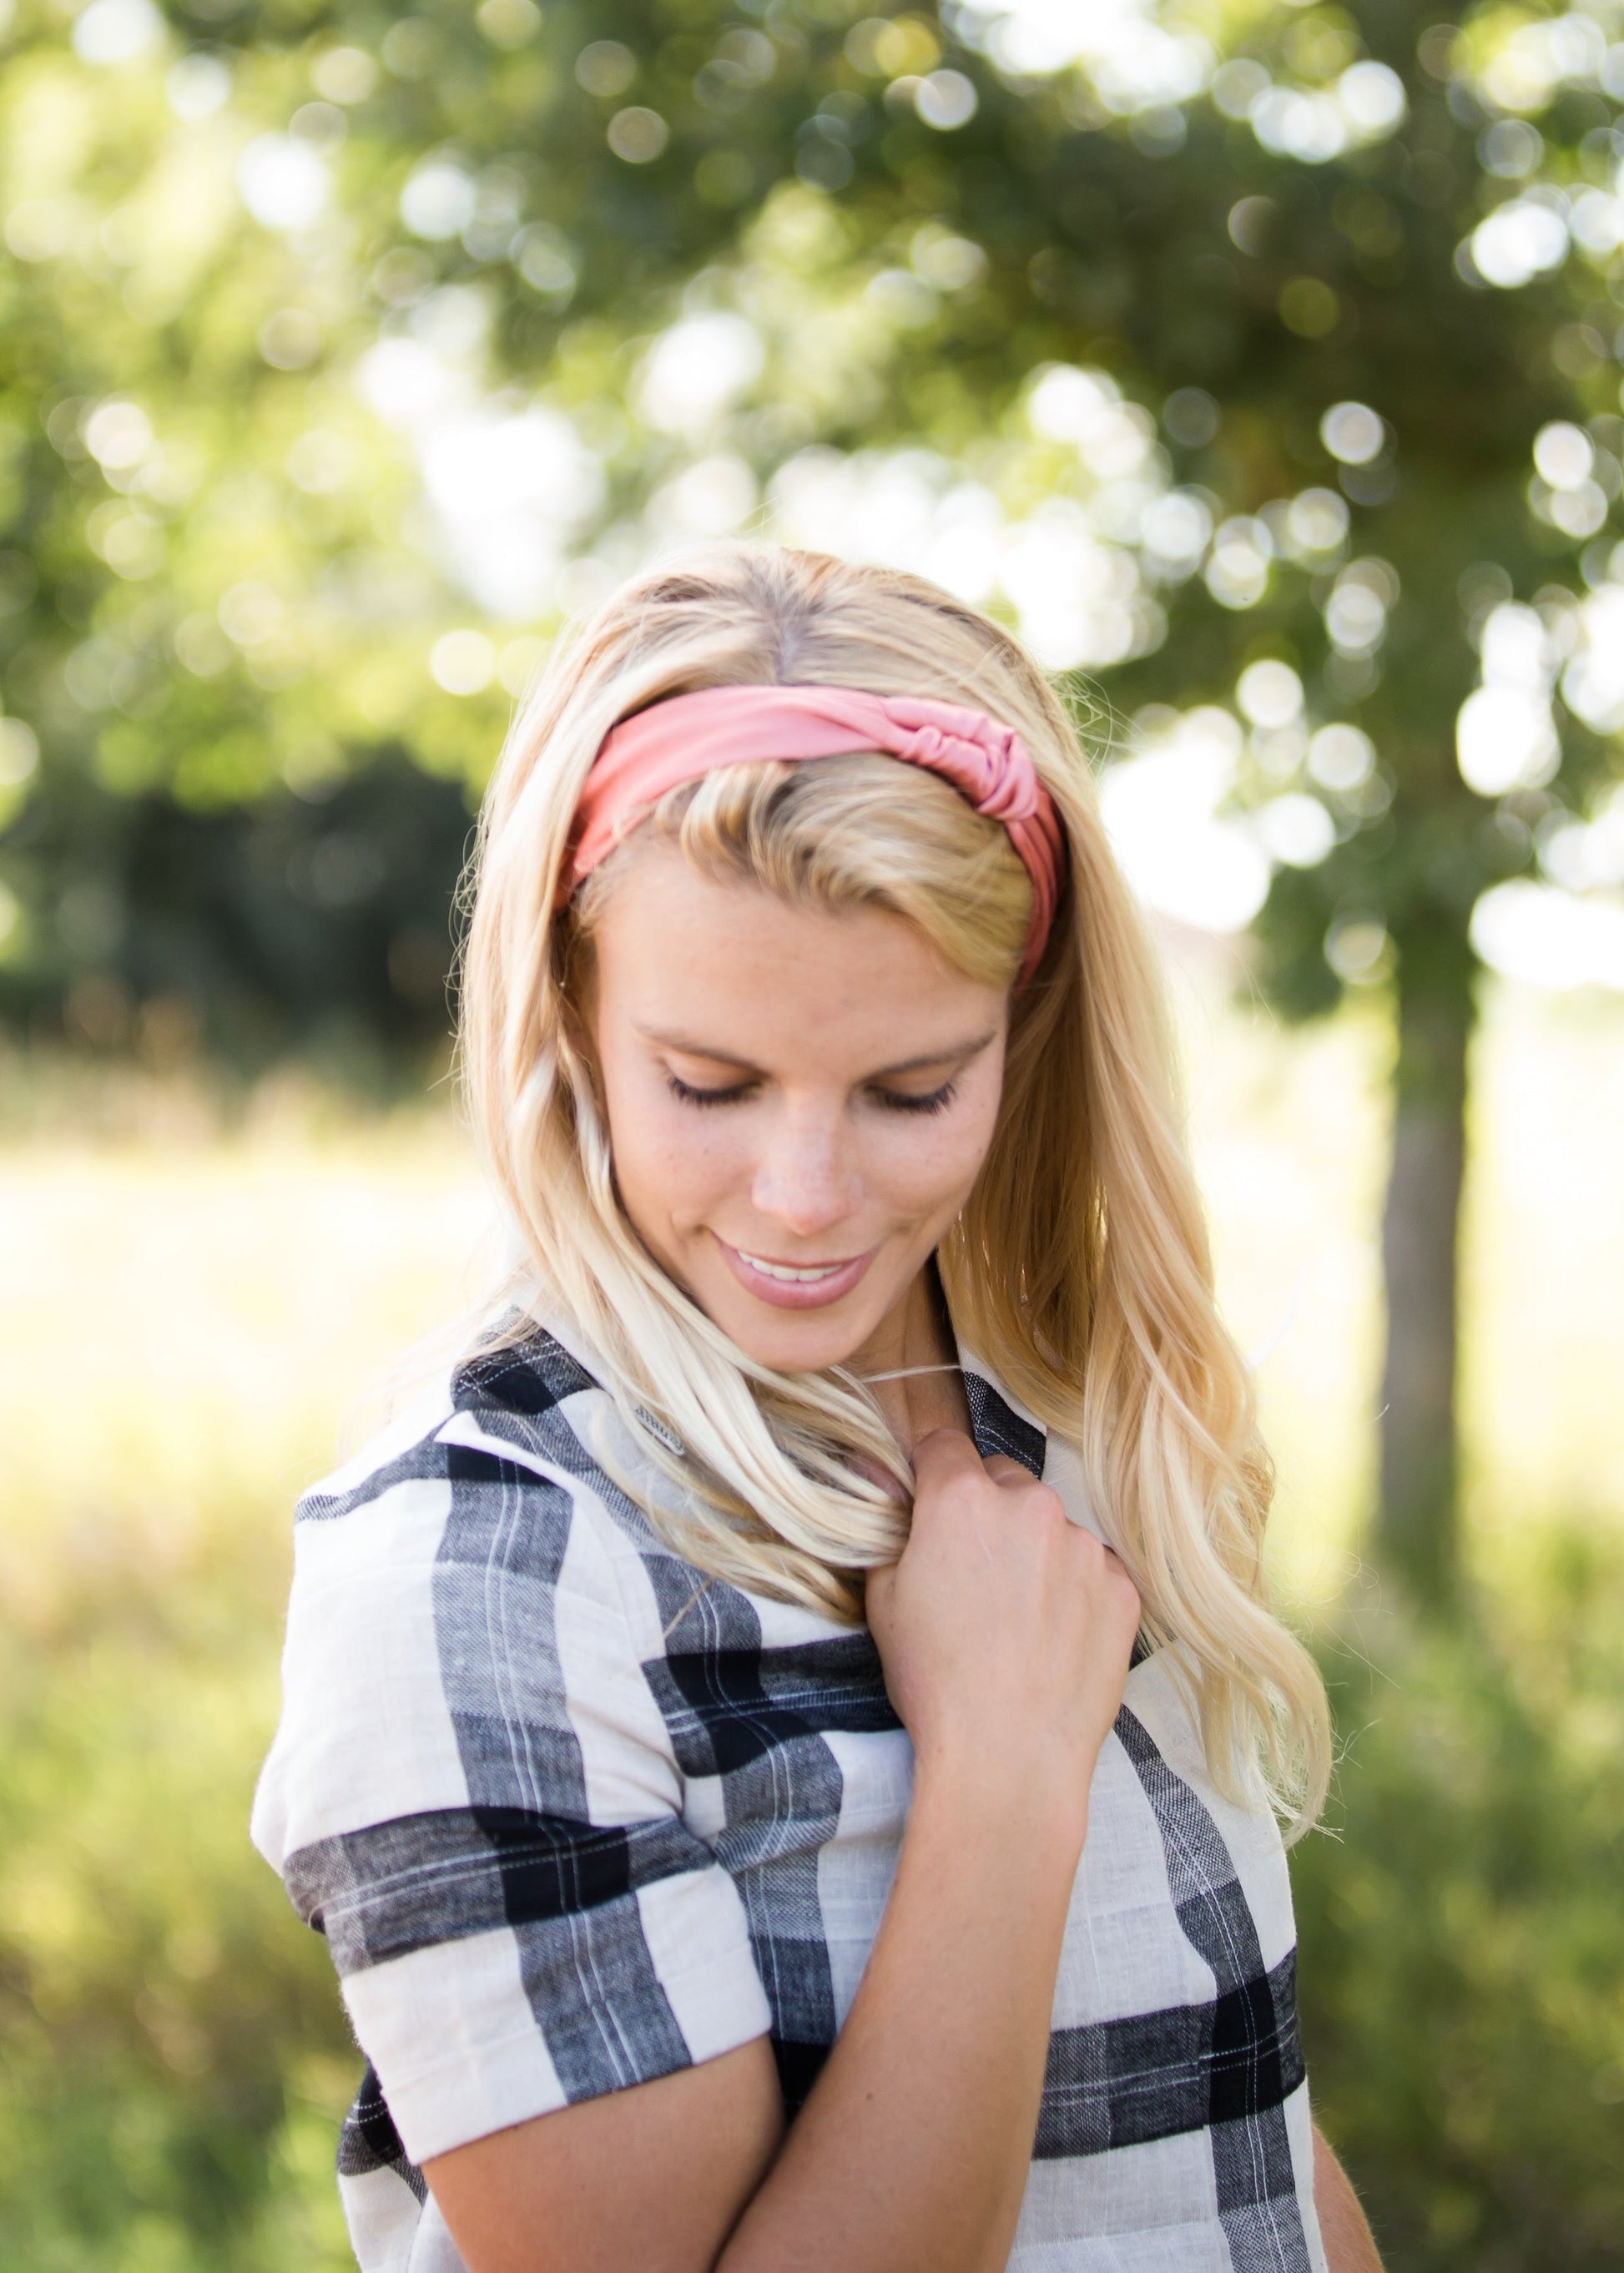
<point x="450" y="2102"/>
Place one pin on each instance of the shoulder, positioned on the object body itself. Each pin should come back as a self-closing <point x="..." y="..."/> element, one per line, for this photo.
<point x="523" y="1418"/>
<point x="519" y="1399"/>
<point x="474" y="1792"/>
<point x="470" y="1578"/>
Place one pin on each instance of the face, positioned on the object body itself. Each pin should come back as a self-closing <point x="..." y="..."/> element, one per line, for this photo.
<point x="799" y="1102"/>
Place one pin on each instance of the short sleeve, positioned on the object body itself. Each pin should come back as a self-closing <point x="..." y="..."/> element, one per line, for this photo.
<point x="473" y="1794"/>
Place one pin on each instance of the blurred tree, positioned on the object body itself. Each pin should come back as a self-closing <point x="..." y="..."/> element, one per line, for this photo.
<point x="1258" y="358"/>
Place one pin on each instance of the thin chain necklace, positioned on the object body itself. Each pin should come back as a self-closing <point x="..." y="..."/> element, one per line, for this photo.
<point x="907" y="1372"/>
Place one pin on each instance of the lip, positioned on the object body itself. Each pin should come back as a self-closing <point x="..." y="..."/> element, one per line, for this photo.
<point x="786" y="1293"/>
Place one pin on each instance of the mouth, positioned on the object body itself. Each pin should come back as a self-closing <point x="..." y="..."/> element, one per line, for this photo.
<point x="795" y="1286"/>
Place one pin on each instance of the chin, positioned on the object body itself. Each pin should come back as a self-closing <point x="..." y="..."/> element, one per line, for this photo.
<point x="793" y="1341"/>
<point x="804" y="1351"/>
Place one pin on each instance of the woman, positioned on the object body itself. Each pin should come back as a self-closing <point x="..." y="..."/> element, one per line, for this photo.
<point x="784" y="1751"/>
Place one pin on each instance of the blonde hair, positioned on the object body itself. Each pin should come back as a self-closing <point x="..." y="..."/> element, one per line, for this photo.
<point x="1080" y="1269"/>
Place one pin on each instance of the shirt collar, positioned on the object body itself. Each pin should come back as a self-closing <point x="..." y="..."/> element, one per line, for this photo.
<point x="999" y="1421"/>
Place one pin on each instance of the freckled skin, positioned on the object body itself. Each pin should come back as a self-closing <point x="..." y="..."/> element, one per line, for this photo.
<point x="855" y="1078"/>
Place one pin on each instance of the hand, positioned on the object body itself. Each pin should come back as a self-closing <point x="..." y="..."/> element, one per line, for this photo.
<point x="1005" y="1629"/>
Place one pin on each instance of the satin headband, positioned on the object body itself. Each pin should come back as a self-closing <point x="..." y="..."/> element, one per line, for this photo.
<point x="688" y="736"/>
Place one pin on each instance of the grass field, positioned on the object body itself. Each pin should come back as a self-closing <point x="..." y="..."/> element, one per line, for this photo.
<point x="200" y="1299"/>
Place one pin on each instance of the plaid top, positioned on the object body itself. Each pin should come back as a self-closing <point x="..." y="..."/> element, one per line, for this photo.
<point x="572" y="1818"/>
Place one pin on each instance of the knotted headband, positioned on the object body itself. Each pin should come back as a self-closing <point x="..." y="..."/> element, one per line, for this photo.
<point x="688" y="736"/>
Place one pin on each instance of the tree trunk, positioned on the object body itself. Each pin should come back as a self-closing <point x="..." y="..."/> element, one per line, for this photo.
<point x="1417" y="1533"/>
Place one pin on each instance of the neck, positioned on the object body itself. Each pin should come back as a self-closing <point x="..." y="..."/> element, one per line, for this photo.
<point x="914" y="1341"/>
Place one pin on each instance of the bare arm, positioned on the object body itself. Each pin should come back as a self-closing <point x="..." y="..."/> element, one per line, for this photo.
<point x="1005" y="1632"/>
<point x="1350" y="2244"/>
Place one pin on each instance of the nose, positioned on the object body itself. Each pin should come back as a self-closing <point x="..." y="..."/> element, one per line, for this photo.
<point x="804" y="1181"/>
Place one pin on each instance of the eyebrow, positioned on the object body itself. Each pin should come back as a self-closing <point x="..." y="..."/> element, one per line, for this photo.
<point x="956" y="1053"/>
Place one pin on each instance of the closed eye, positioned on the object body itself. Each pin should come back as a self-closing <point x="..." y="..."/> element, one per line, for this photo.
<point x="734" y="1094"/>
<point x="935" y="1100"/>
<point x="890" y="1100"/>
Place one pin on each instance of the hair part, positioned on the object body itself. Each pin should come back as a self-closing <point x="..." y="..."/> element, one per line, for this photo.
<point x="1079" y="1268"/>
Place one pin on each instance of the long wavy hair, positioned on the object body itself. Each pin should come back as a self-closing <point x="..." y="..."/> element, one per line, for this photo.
<point x="1080" y="1269"/>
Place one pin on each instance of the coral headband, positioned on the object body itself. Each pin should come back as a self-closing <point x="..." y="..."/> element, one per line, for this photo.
<point x="688" y="736"/>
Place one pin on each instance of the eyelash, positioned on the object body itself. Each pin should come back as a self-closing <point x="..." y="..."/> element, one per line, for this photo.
<point x="937" y="1101"/>
<point x="681" y="1089"/>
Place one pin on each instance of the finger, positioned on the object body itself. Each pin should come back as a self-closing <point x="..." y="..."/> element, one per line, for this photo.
<point x="944" y="1455"/>
<point x="1003" y="1470"/>
<point x="1117" y="1569"/>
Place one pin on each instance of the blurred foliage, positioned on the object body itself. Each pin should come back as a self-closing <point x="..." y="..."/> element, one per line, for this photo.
<point x="345" y="352"/>
<point x="255" y="252"/>
<point x="176" y="2064"/>
<point x="1463" y="2005"/>
<point x="299" y="922"/>
<point x="295" y="295"/>
<point x="200" y="1281"/>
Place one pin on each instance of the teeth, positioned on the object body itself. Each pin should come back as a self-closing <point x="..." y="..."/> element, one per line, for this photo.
<point x="788" y="1271"/>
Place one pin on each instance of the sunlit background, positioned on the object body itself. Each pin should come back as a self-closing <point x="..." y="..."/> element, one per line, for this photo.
<point x="1260" y="364"/>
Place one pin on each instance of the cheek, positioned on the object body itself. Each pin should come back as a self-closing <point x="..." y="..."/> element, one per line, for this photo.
<point x="669" y="1160"/>
<point x="926" y="1161"/>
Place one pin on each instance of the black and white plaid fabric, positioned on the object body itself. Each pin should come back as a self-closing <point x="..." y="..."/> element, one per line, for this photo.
<point x="572" y="1818"/>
